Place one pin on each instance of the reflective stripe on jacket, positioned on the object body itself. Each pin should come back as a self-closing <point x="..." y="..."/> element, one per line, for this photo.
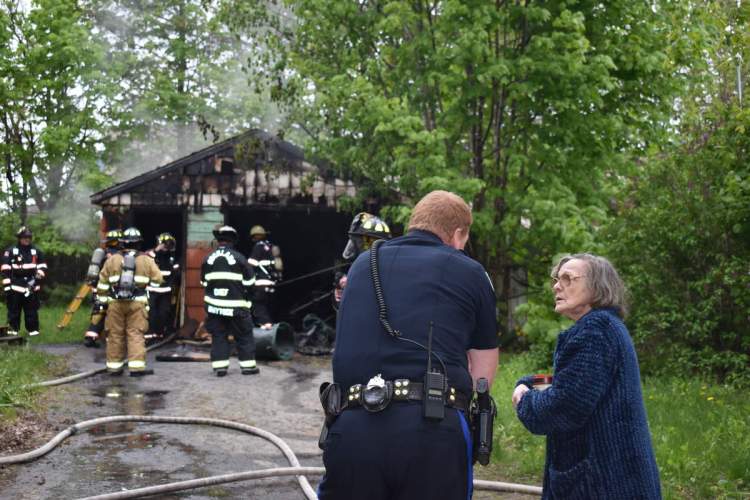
<point x="22" y="268"/>
<point x="227" y="277"/>
<point x="146" y="272"/>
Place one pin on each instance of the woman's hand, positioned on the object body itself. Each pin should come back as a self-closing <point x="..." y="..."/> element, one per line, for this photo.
<point x="518" y="394"/>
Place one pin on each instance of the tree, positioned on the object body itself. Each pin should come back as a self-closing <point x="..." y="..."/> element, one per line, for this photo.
<point x="52" y="109"/>
<point x="682" y="234"/>
<point x="181" y="73"/>
<point x="528" y="109"/>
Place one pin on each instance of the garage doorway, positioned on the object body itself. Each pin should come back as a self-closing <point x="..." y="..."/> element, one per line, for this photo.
<point x="310" y="240"/>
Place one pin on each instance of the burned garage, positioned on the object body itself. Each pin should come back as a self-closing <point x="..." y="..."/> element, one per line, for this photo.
<point x="251" y="179"/>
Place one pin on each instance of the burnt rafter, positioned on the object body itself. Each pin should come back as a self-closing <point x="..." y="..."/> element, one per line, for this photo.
<point x="251" y="168"/>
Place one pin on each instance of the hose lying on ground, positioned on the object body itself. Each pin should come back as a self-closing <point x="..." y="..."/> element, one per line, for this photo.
<point x="295" y="468"/>
<point x="74" y="429"/>
<point x="91" y="373"/>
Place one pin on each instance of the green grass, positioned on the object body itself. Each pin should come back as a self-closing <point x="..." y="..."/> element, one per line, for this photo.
<point x="20" y="366"/>
<point x="24" y="365"/>
<point x="49" y="317"/>
<point x="700" y="431"/>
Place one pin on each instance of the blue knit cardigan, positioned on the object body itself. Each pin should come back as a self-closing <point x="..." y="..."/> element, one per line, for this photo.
<point x="598" y="441"/>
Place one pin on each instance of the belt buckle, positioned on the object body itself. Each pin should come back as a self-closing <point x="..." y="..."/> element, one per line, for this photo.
<point x="377" y="394"/>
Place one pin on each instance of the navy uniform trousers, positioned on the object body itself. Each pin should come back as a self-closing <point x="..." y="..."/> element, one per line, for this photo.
<point x="365" y="455"/>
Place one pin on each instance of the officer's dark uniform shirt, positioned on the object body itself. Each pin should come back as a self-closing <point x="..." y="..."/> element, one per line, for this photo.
<point x="423" y="280"/>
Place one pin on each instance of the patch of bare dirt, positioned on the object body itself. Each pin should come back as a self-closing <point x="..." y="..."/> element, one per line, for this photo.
<point x="24" y="433"/>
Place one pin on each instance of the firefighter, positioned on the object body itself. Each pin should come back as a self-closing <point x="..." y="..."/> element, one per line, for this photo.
<point x="317" y="337"/>
<point x="364" y="230"/>
<point x="23" y="269"/>
<point x="123" y="282"/>
<point x="228" y="280"/>
<point x="267" y="264"/>
<point x="111" y="243"/>
<point x="161" y="298"/>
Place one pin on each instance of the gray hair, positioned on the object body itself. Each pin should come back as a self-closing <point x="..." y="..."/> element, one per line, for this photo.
<point x="606" y="287"/>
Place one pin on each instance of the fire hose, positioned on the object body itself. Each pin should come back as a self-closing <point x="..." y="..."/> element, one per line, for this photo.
<point x="90" y="373"/>
<point x="295" y="468"/>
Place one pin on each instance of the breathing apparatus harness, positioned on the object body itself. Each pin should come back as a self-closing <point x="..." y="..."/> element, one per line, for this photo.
<point x="125" y="289"/>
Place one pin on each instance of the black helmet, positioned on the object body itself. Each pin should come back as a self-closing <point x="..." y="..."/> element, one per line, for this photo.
<point x="225" y="233"/>
<point x="24" y="232"/>
<point x="131" y="237"/>
<point x="167" y="240"/>
<point x="112" y="238"/>
<point x="365" y="229"/>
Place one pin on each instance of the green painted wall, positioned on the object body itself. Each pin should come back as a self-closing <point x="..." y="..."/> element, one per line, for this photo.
<point x="201" y="225"/>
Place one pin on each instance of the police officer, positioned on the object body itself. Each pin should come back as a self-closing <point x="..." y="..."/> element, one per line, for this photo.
<point x="160" y="297"/>
<point x="111" y="243"/>
<point x="363" y="231"/>
<point x="123" y="281"/>
<point x="228" y="279"/>
<point x="266" y="261"/>
<point x="397" y="438"/>
<point x="23" y="269"/>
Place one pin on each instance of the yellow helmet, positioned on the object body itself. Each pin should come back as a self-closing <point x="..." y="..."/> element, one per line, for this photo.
<point x="258" y="231"/>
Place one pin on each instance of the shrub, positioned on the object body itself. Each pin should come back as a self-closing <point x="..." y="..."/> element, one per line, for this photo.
<point x="682" y="242"/>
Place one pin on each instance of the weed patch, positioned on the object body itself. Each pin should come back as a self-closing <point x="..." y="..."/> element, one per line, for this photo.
<point x="20" y="366"/>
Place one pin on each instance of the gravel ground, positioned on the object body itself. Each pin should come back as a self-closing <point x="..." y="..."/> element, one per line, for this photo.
<point x="283" y="400"/>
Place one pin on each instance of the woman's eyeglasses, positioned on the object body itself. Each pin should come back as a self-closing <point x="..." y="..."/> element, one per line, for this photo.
<point x="566" y="279"/>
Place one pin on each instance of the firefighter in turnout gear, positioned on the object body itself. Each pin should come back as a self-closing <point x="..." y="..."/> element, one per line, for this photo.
<point x="123" y="282"/>
<point x="364" y="230"/>
<point x="23" y="269"/>
<point x="267" y="264"/>
<point x="228" y="280"/>
<point x="161" y="298"/>
<point x="111" y="243"/>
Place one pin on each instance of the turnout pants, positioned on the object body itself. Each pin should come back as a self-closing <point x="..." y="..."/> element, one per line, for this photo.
<point x="126" y="323"/>
<point x="397" y="454"/>
<point x="160" y="312"/>
<point x="96" y="325"/>
<point x="262" y="304"/>
<point x="241" y="327"/>
<point x="18" y="302"/>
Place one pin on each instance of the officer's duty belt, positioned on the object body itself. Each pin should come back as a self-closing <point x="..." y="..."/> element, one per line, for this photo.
<point x="400" y="390"/>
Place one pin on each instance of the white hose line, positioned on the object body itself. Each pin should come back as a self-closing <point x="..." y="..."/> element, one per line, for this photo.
<point x="294" y="470"/>
<point x="90" y="373"/>
<point x="480" y="484"/>
<point x="209" y="481"/>
<point x="278" y="442"/>
<point x="280" y="472"/>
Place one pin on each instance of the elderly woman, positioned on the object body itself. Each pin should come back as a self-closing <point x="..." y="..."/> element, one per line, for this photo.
<point x="598" y="442"/>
